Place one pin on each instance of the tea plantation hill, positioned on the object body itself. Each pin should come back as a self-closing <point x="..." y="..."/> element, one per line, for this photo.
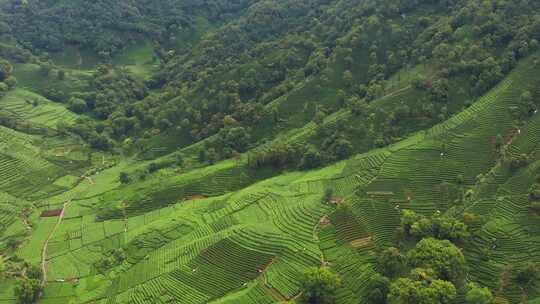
<point x="246" y="151"/>
<point x="252" y="244"/>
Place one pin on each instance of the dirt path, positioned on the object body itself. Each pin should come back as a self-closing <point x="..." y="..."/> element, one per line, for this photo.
<point x="51" y="234"/>
<point x="314" y="233"/>
<point x="44" y="250"/>
<point x="26" y="222"/>
<point x="393" y="93"/>
<point x="89" y="179"/>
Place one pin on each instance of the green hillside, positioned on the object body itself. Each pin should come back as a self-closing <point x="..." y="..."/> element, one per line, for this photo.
<point x="276" y="151"/>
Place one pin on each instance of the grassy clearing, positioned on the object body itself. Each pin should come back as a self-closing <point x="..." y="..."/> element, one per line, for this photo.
<point x="139" y="59"/>
<point x="74" y="58"/>
<point x="31" y="77"/>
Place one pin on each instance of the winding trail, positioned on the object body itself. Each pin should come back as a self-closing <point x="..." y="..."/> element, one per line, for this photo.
<point x="44" y="250"/>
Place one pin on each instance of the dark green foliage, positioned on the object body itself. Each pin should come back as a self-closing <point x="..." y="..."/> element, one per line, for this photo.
<point x="233" y="139"/>
<point x="3" y="88"/>
<point x="359" y="107"/>
<point x="534" y="191"/>
<point x="77" y="105"/>
<point x="61" y="75"/>
<point x="124" y="178"/>
<point x="407" y="219"/>
<point x="202" y="89"/>
<point x="327" y="197"/>
<point x="212" y="156"/>
<point x="55" y="95"/>
<point x="113" y="91"/>
<point x="45" y="69"/>
<point x="11" y="82"/>
<point x="202" y="155"/>
<point x="499" y="141"/>
<point x="527" y="274"/>
<point x="179" y="162"/>
<point x="34" y="272"/>
<point x="88" y="130"/>
<point x="535" y="207"/>
<point x="391" y="262"/>
<point x="311" y="158"/>
<point x="319" y="117"/>
<point x="419" y="82"/>
<point x="526" y="97"/>
<point x="277" y="156"/>
<point x="5" y="69"/>
<point x="443" y="257"/>
<point x="100" y="142"/>
<point x="519" y="161"/>
<point x="441" y="227"/>
<point x="478" y="295"/>
<point x="153" y="167"/>
<point x="421" y="291"/>
<point x="450" y="229"/>
<point x="112" y="98"/>
<point x="347" y="50"/>
<point x="3" y="73"/>
<point x="50" y="27"/>
<point x="28" y="291"/>
<point x="379" y="287"/>
<point x="439" y="90"/>
<point x="471" y="219"/>
<point x="112" y="258"/>
<point x="12" y="243"/>
<point x="7" y="82"/>
<point x="319" y="286"/>
<point x="341" y="148"/>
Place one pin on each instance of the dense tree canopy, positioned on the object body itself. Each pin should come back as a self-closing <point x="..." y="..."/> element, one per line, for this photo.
<point x="105" y="26"/>
<point x="29" y="288"/>
<point x="440" y="227"/>
<point x="319" y="286"/>
<point x="392" y="262"/>
<point x="408" y="291"/>
<point x="231" y="74"/>
<point x="478" y="295"/>
<point x="443" y="257"/>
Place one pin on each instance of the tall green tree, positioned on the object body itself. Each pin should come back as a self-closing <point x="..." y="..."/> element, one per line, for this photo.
<point x="478" y="295"/>
<point x="443" y="257"/>
<point x="409" y="291"/>
<point x="28" y="291"/>
<point x="319" y="286"/>
<point x="391" y="261"/>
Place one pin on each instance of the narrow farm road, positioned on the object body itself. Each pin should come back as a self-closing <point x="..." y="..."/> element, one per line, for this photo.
<point x="44" y="250"/>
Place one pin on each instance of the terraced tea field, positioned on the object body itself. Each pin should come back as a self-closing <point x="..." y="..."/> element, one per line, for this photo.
<point x="35" y="109"/>
<point x="221" y="234"/>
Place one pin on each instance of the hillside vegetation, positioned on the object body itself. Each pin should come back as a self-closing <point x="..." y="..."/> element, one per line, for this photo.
<point x="272" y="151"/>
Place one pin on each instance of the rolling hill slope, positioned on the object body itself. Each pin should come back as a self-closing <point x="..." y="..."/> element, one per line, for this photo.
<point x="217" y="151"/>
<point x="251" y="245"/>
